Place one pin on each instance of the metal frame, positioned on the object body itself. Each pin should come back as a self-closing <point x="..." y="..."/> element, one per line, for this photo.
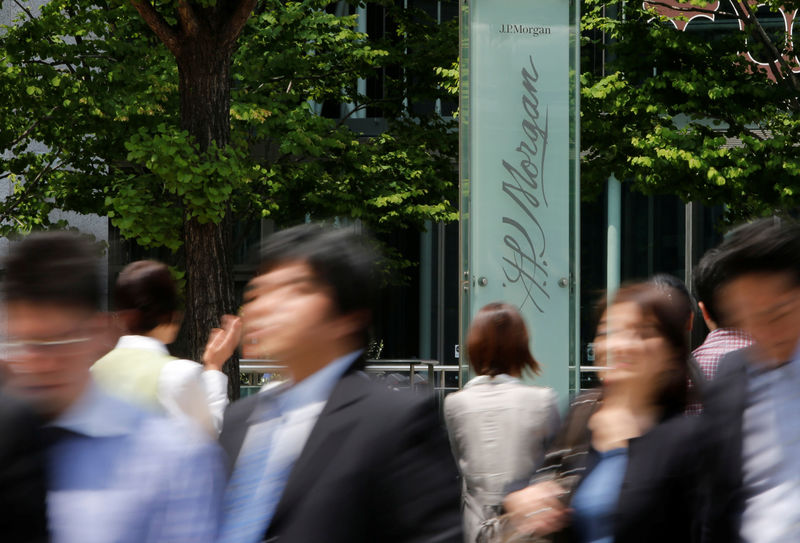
<point x="256" y="366"/>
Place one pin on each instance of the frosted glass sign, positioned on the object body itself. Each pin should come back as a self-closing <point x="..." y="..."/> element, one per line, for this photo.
<point x="519" y="171"/>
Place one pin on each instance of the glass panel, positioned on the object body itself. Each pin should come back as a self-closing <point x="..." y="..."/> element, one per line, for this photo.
<point x="464" y="186"/>
<point x="519" y="172"/>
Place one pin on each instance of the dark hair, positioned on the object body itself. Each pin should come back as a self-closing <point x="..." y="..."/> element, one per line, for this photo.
<point x="340" y="259"/>
<point x="53" y="268"/>
<point x="706" y="281"/>
<point x="146" y="290"/>
<point x="497" y="341"/>
<point x="676" y="290"/>
<point x="670" y="323"/>
<point x="763" y="246"/>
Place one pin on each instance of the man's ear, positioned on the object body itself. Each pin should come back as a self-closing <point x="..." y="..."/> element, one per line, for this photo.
<point x="353" y="323"/>
<point x="706" y="317"/>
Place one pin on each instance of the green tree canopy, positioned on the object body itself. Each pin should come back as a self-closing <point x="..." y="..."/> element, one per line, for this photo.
<point x="176" y="118"/>
<point x="685" y="112"/>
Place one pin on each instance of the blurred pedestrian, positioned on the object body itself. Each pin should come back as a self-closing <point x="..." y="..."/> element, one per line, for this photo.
<point x="685" y="302"/>
<point x="499" y="427"/>
<point x="751" y="410"/>
<point x="330" y="455"/>
<point x="115" y="473"/>
<point x="622" y="466"/>
<point x="676" y="290"/>
<point x="140" y="368"/>
<point x="720" y="339"/>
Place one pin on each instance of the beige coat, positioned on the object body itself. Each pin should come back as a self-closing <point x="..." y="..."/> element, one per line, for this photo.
<point x="499" y="429"/>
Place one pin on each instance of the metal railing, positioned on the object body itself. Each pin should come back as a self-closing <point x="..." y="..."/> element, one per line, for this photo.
<point x="590" y="377"/>
<point x="254" y="372"/>
<point x="435" y="373"/>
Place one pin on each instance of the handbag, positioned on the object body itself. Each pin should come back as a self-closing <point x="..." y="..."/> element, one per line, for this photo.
<point x="564" y="464"/>
<point x="503" y="527"/>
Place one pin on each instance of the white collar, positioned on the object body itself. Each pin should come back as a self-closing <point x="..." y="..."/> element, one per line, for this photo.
<point x="489" y="380"/>
<point x="144" y="343"/>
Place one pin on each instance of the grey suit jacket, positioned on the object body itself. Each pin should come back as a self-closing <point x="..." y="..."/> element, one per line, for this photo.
<point x="376" y="467"/>
<point x="499" y="431"/>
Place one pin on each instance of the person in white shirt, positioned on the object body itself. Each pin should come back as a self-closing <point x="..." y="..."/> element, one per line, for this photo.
<point x="140" y="368"/>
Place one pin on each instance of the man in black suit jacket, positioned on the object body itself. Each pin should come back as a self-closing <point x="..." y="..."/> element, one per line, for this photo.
<point x="331" y="457"/>
<point x="725" y="403"/>
<point x="22" y="478"/>
<point x="751" y="424"/>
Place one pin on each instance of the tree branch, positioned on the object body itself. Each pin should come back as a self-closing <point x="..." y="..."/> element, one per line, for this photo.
<point x="240" y="12"/>
<point x="24" y="9"/>
<point x="31" y="17"/>
<point x="167" y="34"/>
<point x="361" y="106"/>
<point x="54" y="64"/>
<point x="34" y="125"/>
<point x="293" y="77"/>
<point x="10" y="206"/>
<point x="694" y="9"/>
<point x="188" y="18"/>
<point x="781" y="70"/>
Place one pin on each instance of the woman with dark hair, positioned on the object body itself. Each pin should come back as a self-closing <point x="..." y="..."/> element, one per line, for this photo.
<point x="499" y="427"/>
<point x="622" y="466"/>
<point x="140" y="369"/>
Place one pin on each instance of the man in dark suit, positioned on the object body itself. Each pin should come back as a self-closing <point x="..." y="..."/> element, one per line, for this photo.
<point x="22" y="479"/>
<point x="752" y="422"/>
<point x="329" y="456"/>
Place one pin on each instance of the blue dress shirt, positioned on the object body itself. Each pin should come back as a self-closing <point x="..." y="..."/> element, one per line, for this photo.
<point x="283" y="421"/>
<point x="771" y="454"/>
<point x="118" y="474"/>
<point x="595" y="501"/>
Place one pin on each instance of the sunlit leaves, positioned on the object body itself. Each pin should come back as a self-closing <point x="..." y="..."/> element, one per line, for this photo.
<point x="684" y="113"/>
<point x="89" y="121"/>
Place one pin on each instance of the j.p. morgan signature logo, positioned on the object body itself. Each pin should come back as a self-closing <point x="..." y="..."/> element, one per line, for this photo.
<point x="530" y="30"/>
<point x="525" y="237"/>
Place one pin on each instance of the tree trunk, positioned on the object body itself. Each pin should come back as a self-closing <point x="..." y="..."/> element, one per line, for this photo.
<point x="205" y="95"/>
<point x="209" y="288"/>
<point x="202" y="40"/>
<point x="204" y="86"/>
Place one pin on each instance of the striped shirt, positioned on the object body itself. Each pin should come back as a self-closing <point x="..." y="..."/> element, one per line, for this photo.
<point x="118" y="474"/>
<point x="718" y="343"/>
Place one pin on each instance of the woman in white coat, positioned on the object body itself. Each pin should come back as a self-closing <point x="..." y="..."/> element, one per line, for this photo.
<point x="499" y="427"/>
<point x="140" y="369"/>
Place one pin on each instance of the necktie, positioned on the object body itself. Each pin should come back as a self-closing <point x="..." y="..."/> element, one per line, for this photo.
<point x="257" y="483"/>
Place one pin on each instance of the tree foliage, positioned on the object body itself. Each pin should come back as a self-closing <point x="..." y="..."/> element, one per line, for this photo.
<point x="91" y="83"/>
<point x="686" y="112"/>
<point x="94" y="120"/>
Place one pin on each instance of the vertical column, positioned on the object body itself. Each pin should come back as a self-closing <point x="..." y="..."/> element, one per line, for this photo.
<point x="425" y="290"/>
<point x="519" y="172"/>
<point x="613" y="240"/>
<point x="440" y="286"/>
<point x="361" y="84"/>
